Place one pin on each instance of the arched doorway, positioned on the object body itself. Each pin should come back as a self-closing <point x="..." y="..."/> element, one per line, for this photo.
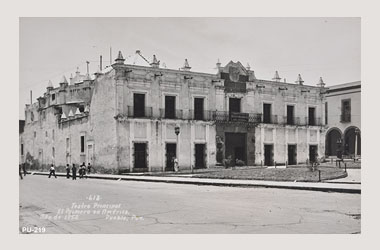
<point x="331" y="141"/>
<point x="350" y="136"/>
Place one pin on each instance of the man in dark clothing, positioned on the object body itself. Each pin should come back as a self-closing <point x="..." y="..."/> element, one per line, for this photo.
<point x="83" y="170"/>
<point x="89" y="168"/>
<point x="19" y="171"/>
<point x="52" y="171"/>
<point x="74" y="170"/>
<point x="67" y="171"/>
<point x="24" y="168"/>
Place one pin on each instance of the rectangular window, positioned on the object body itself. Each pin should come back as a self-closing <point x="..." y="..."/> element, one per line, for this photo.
<point x="82" y="144"/>
<point x="198" y="108"/>
<point x="53" y="97"/>
<point x="52" y="134"/>
<point x="234" y="105"/>
<point x="290" y="114"/>
<point x="35" y="134"/>
<point x="139" y="105"/>
<point x="311" y="116"/>
<point x="53" y="152"/>
<point x="170" y="107"/>
<point x="267" y="111"/>
<point x="326" y="114"/>
<point x="346" y="110"/>
<point x="22" y="149"/>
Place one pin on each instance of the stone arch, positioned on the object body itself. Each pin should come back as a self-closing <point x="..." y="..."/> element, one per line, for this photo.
<point x="332" y="136"/>
<point x="351" y="141"/>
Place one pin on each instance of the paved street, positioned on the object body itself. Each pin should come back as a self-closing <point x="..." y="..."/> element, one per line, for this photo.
<point x="108" y="206"/>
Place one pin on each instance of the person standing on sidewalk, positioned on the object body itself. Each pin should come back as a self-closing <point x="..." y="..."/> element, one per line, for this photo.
<point x="89" y="168"/>
<point x="74" y="170"/>
<point x="19" y="171"/>
<point x="52" y="171"/>
<point x="67" y="171"/>
<point x="24" y="168"/>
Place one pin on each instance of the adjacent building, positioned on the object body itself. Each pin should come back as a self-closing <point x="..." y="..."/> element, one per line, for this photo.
<point x="136" y="116"/>
<point x="343" y="106"/>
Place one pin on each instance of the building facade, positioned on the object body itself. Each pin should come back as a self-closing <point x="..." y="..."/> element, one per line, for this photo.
<point x="134" y="117"/>
<point x="343" y="114"/>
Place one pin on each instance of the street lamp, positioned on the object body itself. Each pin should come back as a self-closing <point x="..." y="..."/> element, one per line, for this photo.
<point x="177" y="131"/>
<point x="339" y="149"/>
<point x="357" y="132"/>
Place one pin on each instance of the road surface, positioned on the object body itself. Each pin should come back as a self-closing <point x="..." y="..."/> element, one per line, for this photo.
<point x="104" y="206"/>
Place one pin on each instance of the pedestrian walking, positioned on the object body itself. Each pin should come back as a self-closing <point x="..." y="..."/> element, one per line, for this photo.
<point x="176" y="167"/>
<point x="89" y="167"/>
<point x="52" y="171"/>
<point x="19" y="171"/>
<point x="74" y="171"/>
<point x="24" y="168"/>
<point x="83" y="171"/>
<point x="67" y="171"/>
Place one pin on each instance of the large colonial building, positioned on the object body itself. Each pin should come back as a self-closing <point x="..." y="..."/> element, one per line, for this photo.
<point x="125" y="119"/>
<point x="343" y="105"/>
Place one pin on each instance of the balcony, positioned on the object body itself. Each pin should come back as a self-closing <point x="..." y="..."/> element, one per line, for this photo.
<point x="172" y="114"/>
<point x="203" y="115"/>
<point x="345" y="118"/>
<point x="269" y="119"/>
<point x="140" y="112"/>
<point x="223" y="116"/>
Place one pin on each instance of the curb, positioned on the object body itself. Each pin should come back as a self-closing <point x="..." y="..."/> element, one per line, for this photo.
<point x="225" y="184"/>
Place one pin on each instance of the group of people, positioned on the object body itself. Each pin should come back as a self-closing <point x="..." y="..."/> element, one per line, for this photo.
<point x="81" y="171"/>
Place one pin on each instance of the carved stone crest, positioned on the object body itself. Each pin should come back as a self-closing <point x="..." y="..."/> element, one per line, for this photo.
<point x="234" y="73"/>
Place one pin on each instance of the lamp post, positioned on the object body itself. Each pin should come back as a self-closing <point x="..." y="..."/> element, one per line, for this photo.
<point x="339" y="149"/>
<point x="177" y="131"/>
<point x="357" y="131"/>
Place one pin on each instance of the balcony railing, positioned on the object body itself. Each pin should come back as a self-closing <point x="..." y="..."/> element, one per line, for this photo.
<point x="301" y="121"/>
<point x="223" y="116"/>
<point x="269" y="119"/>
<point x="172" y="114"/>
<point x="140" y="112"/>
<point x="345" y="118"/>
<point x="203" y="115"/>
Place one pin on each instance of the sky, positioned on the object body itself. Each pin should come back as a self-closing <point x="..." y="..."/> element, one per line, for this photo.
<point x="313" y="47"/>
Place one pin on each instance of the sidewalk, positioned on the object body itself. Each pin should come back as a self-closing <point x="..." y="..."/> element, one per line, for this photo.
<point x="188" y="179"/>
<point x="353" y="177"/>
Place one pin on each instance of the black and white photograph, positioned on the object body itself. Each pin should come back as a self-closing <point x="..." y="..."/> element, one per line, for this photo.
<point x="149" y="125"/>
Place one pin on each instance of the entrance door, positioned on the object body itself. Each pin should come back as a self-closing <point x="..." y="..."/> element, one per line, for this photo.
<point x="90" y="154"/>
<point x="140" y="157"/>
<point x="292" y="154"/>
<point x="200" y="156"/>
<point x="236" y="146"/>
<point x="138" y="105"/>
<point x="313" y="153"/>
<point x="171" y="152"/>
<point x="268" y="155"/>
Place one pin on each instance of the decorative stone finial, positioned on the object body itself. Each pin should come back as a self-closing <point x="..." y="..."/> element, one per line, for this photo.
<point x="119" y="59"/>
<point x="248" y="67"/>
<point x="186" y="66"/>
<point x="49" y="86"/>
<point x="321" y="84"/>
<point x="276" y="77"/>
<point x="299" y="80"/>
<point x="77" y="112"/>
<point x="71" y="113"/>
<point x="63" y="116"/>
<point x="155" y="63"/>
